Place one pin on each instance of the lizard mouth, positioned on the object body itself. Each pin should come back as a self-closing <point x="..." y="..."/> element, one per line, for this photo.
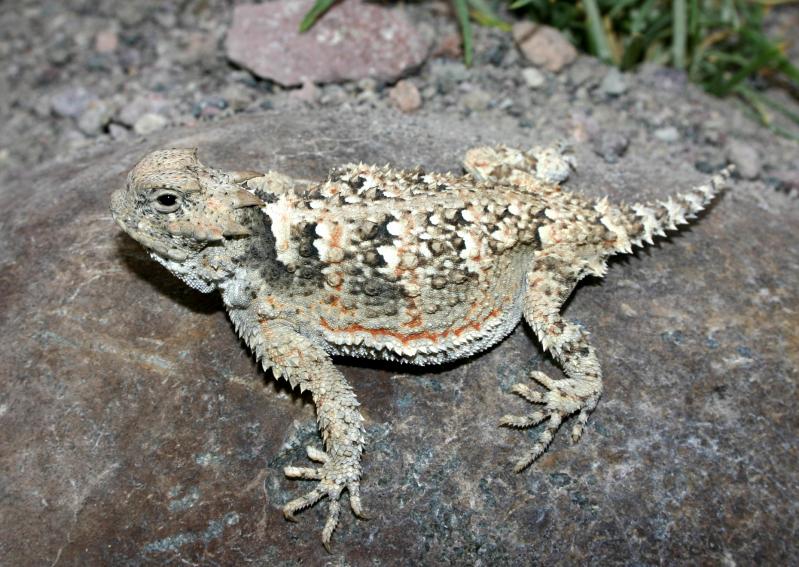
<point x="182" y="273"/>
<point x="117" y="205"/>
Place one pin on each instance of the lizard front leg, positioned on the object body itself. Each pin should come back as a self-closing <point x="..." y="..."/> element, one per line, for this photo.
<point x="549" y="283"/>
<point x="279" y="345"/>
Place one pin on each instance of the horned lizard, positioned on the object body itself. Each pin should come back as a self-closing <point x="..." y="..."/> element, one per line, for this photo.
<point x="401" y="265"/>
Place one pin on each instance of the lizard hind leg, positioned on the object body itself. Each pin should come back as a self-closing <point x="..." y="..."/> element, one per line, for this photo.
<point x="497" y="163"/>
<point x="549" y="283"/>
<point x="501" y="164"/>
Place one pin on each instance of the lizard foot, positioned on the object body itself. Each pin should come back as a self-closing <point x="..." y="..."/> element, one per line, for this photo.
<point x="335" y="474"/>
<point x="562" y="398"/>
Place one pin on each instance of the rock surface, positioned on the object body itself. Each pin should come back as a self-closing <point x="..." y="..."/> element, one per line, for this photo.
<point x="352" y="41"/>
<point x="136" y="429"/>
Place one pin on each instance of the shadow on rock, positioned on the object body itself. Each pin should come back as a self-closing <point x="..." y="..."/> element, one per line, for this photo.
<point x="145" y="268"/>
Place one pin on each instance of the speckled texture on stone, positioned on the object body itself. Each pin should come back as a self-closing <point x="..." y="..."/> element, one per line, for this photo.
<point x="354" y="40"/>
<point x="136" y="429"/>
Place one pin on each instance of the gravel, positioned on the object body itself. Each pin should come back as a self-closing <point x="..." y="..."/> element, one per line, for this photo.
<point x="79" y="74"/>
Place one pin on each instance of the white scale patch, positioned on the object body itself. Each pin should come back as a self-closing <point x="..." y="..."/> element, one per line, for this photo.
<point x="280" y="213"/>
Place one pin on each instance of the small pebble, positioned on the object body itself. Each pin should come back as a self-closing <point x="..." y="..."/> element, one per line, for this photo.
<point x="614" y="83"/>
<point x="449" y="46"/>
<point x="209" y="107"/>
<point x="533" y="77"/>
<point x="405" y="96"/>
<point x="140" y="105"/>
<point x="71" y="102"/>
<point x="106" y="42"/>
<point x="476" y="100"/>
<point x="309" y="92"/>
<point x="96" y="116"/>
<point x="667" y="134"/>
<point x="610" y="146"/>
<point x="117" y="131"/>
<point x="543" y="46"/>
<point x="744" y="157"/>
<point x="149" y="123"/>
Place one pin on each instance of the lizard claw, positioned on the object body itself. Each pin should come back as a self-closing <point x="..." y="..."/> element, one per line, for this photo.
<point x="559" y="402"/>
<point x="335" y="474"/>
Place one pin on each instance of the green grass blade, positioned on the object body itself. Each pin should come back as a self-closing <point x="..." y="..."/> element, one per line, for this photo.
<point x="779" y="60"/>
<point x="768" y="101"/>
<point x="679" y="36"/>
<point x="722" y="87"/>
<point x="596" y="32"/>
<point x="462" y="14"/>
<point x="619" y="7"/>
<point x="485" y="16"/>
<point x="633" y="52"/>
<point x="319" y="8"/>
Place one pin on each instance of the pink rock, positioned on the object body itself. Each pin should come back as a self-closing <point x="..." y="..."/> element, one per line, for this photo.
<point x="405" y="96"/>
<point x="309" y="92"/>
<point x="544" y="46"/>
<point x="106" y="41"/>
<point x="351" y="41"/>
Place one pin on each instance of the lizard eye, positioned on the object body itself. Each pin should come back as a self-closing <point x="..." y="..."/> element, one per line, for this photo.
<point x="166" y="201"/>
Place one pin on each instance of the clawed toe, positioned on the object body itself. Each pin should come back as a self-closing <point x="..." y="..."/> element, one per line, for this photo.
<point x="331" y="485"/>
<point x="522" y="422"/>
<point x="558" y="403"/>
<point x="302" y="502"/>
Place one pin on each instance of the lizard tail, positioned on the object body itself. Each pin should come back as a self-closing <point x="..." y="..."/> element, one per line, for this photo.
<point x="637" y="224"/>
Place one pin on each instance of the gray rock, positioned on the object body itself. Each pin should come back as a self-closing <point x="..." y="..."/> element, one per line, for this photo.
<point x="118" y="132"/>
<point x="543" y="46"/>
<point x="614" y="83"/>
<point x="745" y="157"/>
<point x="610" y="145"/>
<point x="476" y="100"/>
<point x="668" y="134"/>
<point x="71" y="102"/>
<point x="584" y="72"/>
<point x="140" y="105"/>
<point x="333" y="95"/>
<point x="209" y="107"/>
<point x="368" y="85"/>
<point x="97" y="115"/>
<point x="136" y="430"/>
<point x="352" y="41"/>
<point x="447" y="75"/>
<point x="149" y="123"/>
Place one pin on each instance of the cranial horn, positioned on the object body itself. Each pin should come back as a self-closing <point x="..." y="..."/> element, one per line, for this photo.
<point x="243" y="198"/>
<point x="244" y="175"/>
<point x="232" y="228"/>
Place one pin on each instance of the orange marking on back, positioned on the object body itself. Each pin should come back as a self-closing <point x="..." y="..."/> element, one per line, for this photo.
<point x="335" y="236"/>
<point x="406" y="338"/>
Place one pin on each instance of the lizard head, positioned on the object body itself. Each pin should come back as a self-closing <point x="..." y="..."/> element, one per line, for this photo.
<point x="184" y="213"/>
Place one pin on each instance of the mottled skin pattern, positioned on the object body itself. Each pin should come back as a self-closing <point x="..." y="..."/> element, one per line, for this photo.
<point x="402" y="265"/>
